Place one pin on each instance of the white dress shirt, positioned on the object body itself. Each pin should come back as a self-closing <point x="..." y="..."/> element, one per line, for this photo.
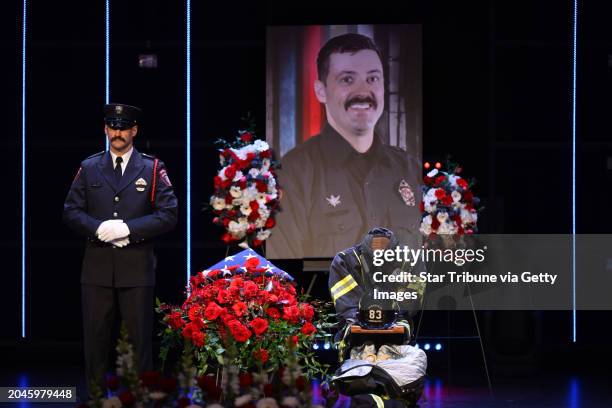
<point x="126" y="158"/>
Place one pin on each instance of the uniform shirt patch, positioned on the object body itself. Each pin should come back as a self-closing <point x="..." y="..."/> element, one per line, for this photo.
<point x="163" y="174"/>
<point x="407" y="193"/>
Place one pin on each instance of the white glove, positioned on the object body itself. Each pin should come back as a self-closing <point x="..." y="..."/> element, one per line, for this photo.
<point x="113" y="231"/>
<point x="105" y="227"/>
<point x="120" y="243"/>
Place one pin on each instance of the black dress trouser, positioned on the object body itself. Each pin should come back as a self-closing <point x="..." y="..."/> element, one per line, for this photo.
<point x="101" y="305"/>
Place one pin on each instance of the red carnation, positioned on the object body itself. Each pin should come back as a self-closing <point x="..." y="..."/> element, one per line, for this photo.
<point x="183" y="402"/>
<point x="308" y="329"/>
<point x="435" y="224"/>
<point x="167" y="384"/>
<point x="261" y="355"/>
<point x="230" y="172"/>
<point x="189" y="330"/>
<point x="447" y="200"/>
<point x="254" y="205"/>
<point x="294" y="340"/>
<point x="265" y="154"/>
<point x="218" y="182"/>
<point x="127" y="398"/>
<point x="197" y="338"/>
<point x="150" y="378"/>
<point x="427" y="180"/>
<point x="462" y="183"/>
<point x="273" y="313"/>
<point x="245" y="380"/>
<point x="261" y="186"/>
<point x="238" y="331"/>
<point x="300" y="383"/>
<point x="259" y="326"/>
<point x="175" y="320"/>
<point x="291" y="314"/>
<point x="440" y="194"/>
<point x="212" y="311"/>
<point x="227" y="238"/>
<point x="112" y="383"/>
<point x="270" y="223"/>
<point x="468" y="196"/>
<point x="207" y="384"/>
<point x="246" y="137"/>
<point x="239" y="308"/>
<point x="306" y="311"/>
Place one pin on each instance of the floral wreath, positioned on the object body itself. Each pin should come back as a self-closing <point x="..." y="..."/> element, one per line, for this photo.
<point x="448" y="206"/>
<point x="245" y="196"/>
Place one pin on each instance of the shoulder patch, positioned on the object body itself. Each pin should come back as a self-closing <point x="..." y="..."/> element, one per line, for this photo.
<point x="148" y="156"/>
<point x="97" y="154"/>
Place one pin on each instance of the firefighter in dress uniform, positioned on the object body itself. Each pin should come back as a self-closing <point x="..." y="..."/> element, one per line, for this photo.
<point x="120" y="200"/>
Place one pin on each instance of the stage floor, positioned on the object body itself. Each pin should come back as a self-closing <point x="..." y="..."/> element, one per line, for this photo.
<point x="545" y="390"/>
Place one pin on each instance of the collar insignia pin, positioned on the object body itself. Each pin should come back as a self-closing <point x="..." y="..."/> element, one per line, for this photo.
<point x="333" y="200"/>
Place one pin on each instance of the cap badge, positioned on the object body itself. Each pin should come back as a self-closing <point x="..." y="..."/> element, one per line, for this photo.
<point x="406" y="193"/>
<point x="141" y="184"/>
<point x="118" y="109"/>
<point x="333" y="200"/>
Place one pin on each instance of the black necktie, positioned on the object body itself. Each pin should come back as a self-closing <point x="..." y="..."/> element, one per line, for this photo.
<point x="118" y="173"/>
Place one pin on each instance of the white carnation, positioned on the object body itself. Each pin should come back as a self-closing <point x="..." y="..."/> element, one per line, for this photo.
<point x="157" y="395"/>
<point x="267" y="403"/>
<point x="238" y="176"/>
<point x="254" y="172"/>
<point x="235" y="191"/>
<point x="291" y="402"/>
<point x="246" y="209"/>
<point x="453" y="180"/>
<point x="432" y="173"/>
<point x="242" y="400"/>
<point x="113" y="402"/>
<point x="237" y="229"/>
<point x="456" y="196"/>
<point x="263" y="235"/>
<point x="260" y="145"/>
<point x="217" y="203"/>
<point x="442" y="217"/>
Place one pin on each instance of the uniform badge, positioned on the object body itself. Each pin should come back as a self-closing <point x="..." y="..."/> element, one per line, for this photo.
<point x="141" y="184"/>
<point x="333" y="200"/>
<point x="407" y="193"/>
<point x="163" y="174"/>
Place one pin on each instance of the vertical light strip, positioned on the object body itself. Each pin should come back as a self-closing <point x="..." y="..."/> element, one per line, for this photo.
<point x="23" y="168"/>
<point x="188" y="132"/>
<point x="106" y="56"/>
<point x="574" y="52"/>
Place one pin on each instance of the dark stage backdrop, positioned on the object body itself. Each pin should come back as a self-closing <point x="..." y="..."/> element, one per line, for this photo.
<point x="496" y="94"/>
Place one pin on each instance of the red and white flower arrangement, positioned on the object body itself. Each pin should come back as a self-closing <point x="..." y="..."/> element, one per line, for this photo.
<point x="245" y="194"/>
<point x="448" y="206"/>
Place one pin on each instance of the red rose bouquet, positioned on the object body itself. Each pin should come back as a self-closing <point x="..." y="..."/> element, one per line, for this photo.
<point x="242" y="312"/>
<point x="245" y="194"/>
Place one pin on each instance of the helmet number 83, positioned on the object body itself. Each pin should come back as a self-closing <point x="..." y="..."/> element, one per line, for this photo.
<point x="375" y="314"/>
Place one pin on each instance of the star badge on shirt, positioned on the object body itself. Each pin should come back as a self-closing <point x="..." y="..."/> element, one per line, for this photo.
<point x="333" y="200"/>
<point x="407" y="193"/>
